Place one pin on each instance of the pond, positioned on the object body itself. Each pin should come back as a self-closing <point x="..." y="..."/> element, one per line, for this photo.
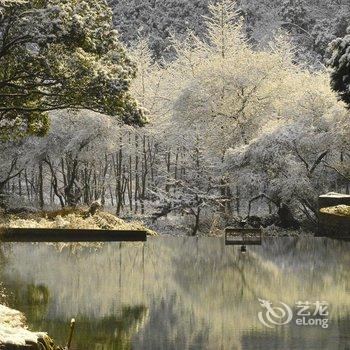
<point x="184" y="293"/>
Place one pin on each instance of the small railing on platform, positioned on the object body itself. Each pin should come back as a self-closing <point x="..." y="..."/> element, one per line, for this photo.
<point x="242" y="236"/>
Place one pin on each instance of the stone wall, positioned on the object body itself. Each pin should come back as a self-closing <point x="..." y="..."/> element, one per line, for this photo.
<point x="330" y="224"/>
<point x="334" y="225"/>
<point x="332" y="198"/>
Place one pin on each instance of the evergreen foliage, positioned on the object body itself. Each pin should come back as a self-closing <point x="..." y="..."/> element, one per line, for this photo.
<point x="340" y="64"/>
<point x="57" y="55"/>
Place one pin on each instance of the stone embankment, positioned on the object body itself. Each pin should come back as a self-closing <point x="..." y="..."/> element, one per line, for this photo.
<point x="334" y="215"/>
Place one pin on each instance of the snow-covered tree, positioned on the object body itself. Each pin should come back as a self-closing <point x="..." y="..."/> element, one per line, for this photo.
<point x="232" y="117"/>
<point x="61" y="54"/>
<point x="291" y="164"/>
<point x="223" y="90"/>
<point x="158" y="20"/>
<point x="293" y="12"/>
<point x="222" y="93"/>
<point x="340" y="64"/>
<point x="75" y="140"/>
<point x="310" y="23"/>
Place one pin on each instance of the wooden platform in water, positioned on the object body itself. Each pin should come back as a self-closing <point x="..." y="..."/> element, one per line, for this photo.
<point x="70" y="235"/>
<point x="242" y="236"/>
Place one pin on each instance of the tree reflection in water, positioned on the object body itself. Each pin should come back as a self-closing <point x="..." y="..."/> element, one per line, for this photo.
<point x="183" y="293"/>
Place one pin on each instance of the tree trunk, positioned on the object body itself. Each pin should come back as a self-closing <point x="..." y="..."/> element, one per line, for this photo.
<point x="286" y="218"/>
<point x="41" y="186"/>
<point x="196" y="223"/>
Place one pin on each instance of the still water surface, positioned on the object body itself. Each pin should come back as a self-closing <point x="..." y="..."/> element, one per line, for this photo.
<point x="180" y="293"/>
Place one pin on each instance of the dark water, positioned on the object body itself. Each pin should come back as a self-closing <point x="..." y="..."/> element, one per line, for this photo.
<point x="180" y="293"/>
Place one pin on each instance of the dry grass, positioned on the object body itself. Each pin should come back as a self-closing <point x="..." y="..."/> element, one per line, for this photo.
<point x="73" y="219"/>
<point x="339" y="210"/>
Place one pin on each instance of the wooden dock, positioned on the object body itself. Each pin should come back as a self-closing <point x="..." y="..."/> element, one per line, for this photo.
<point x="70" y="235"/>
<point x="242" y="236"/>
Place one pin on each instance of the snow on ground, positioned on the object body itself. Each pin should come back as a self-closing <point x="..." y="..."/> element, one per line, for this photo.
<point x="13" y="329"/>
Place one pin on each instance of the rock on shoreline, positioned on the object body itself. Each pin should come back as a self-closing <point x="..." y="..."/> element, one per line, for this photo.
<point x="14" y="333"/>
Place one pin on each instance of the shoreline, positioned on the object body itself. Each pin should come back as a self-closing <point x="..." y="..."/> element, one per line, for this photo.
<point x="14" y="332"/>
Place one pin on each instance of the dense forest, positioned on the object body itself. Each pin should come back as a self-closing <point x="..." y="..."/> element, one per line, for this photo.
<point x="311" y="24"/>
<point x="185" y="114"/>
